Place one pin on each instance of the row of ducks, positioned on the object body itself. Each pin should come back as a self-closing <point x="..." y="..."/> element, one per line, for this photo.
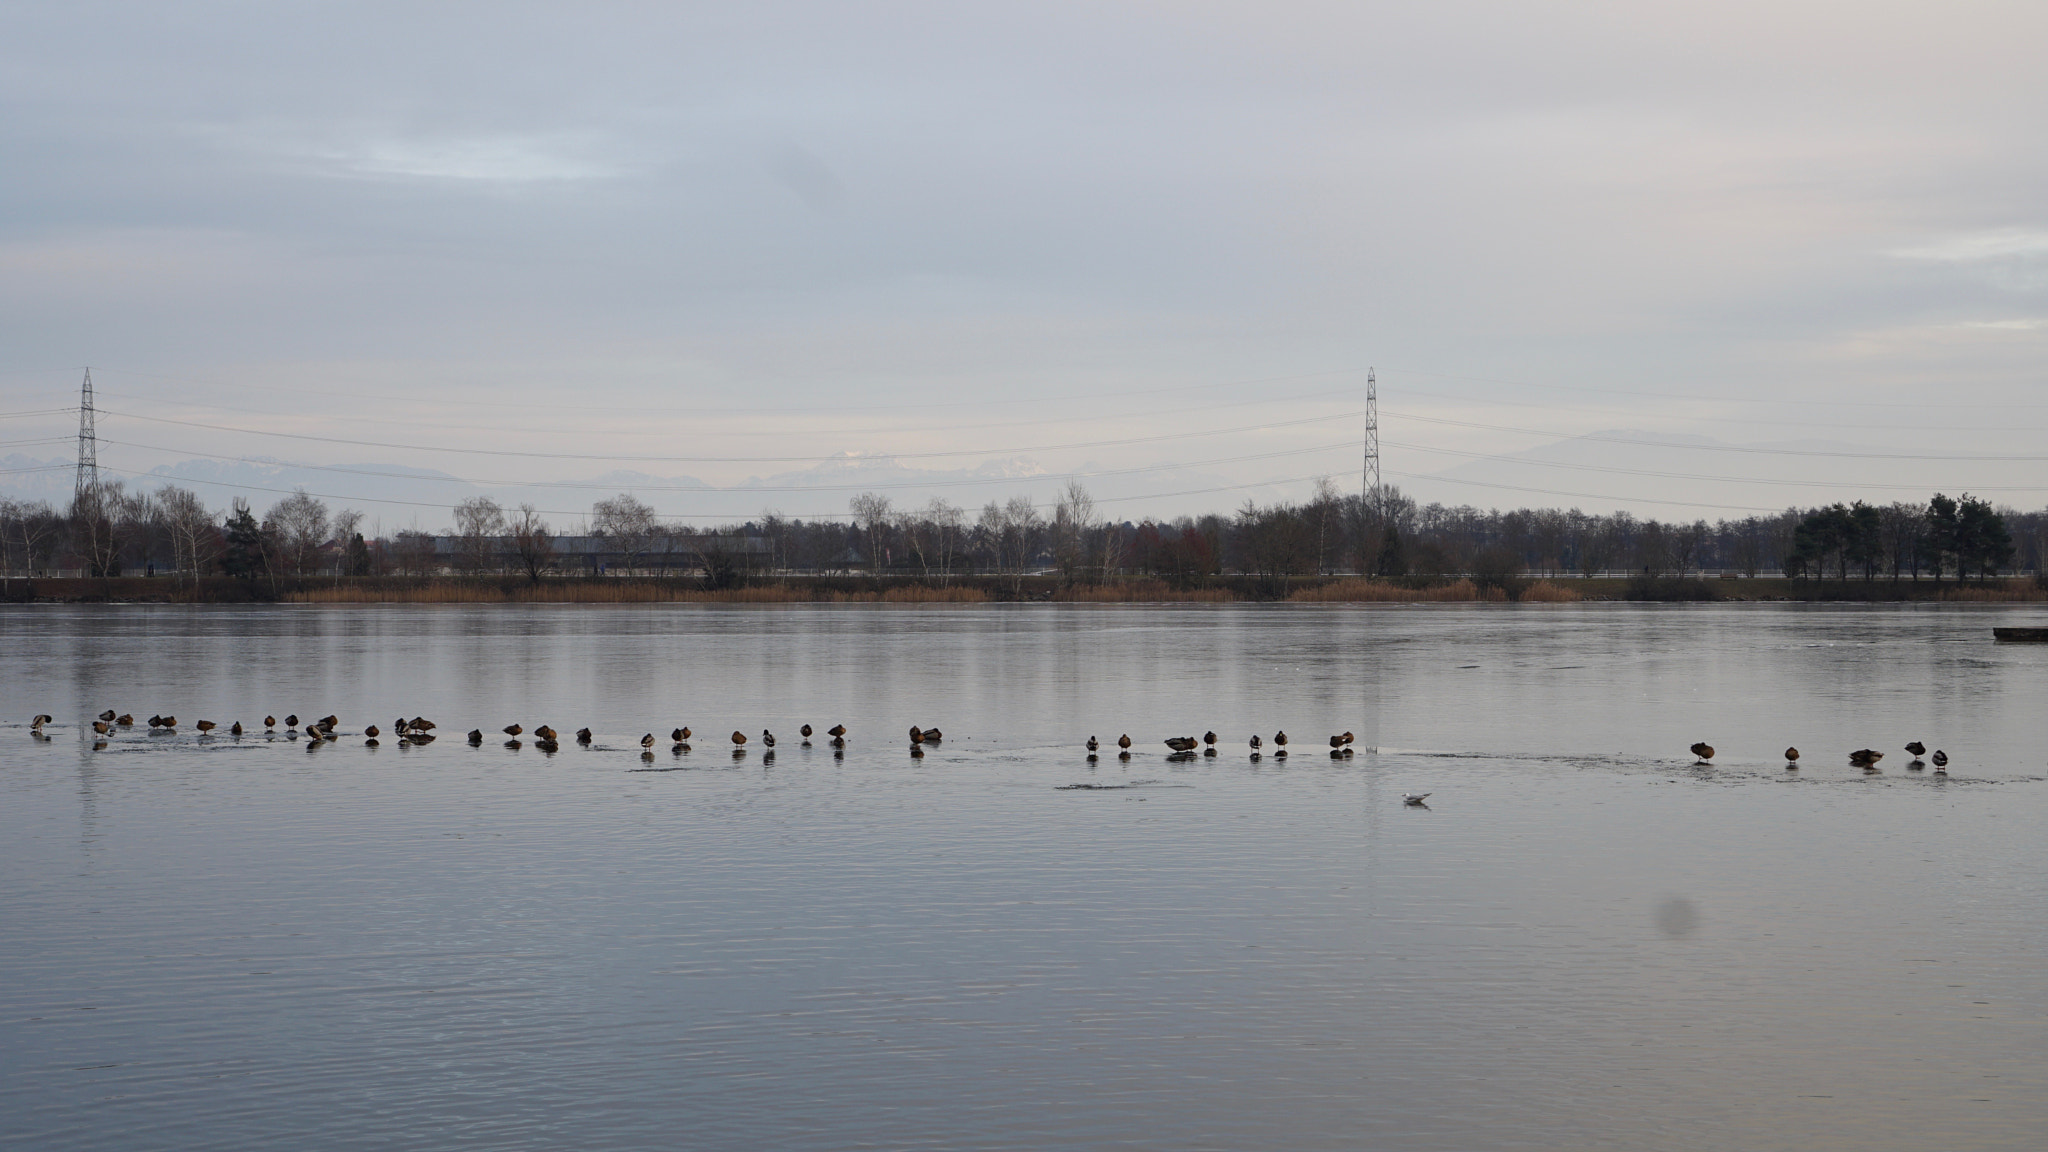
<point x="1864" y="758"/>
<point x="420" y="730"/>
<point x="105" y="723"/>
<point x="1184" y="746"/>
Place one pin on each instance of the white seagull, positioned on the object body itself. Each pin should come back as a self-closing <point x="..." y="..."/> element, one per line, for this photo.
<point x="1415" y="798"/>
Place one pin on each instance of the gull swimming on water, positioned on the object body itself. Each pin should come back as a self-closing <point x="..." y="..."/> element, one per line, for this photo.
<point x="1415" y="798"/>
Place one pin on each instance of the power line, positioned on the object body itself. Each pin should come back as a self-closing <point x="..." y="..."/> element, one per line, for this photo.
<point x="1806" y="452"/>
<point x="1943" y="403"/>
<point x="1591" y="495"/>
<point x="921" y="430"/>
<point x="686" y="515"/>
<point x="1505" y="459"/>
<point x="714" y="490"/>
<point x="1125" y="442"/>
<point x="781" y="409"/>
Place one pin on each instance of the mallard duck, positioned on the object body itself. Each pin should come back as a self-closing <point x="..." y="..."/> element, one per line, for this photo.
<point x="647" y="741"/>
<point x="1704" y="751"/>
<point x="269" y="722"/>
<point x="125" y="720"/>
<point x="916" y="734"/>
<point x="1124" y="742"/>
<point x="1940" y="760"/>
<point x="1279" y="739"/>
<point x="1257" y="743"/>
<point x="206" y="725"/>
<point x="1865" y="758"/>
<point x="170" y="722"/>
<point x="292" y="721"/>
<point x="805" y="732"/>
<point x="1209" y="738"/>
<point x="235" y="729"/>
<point x="933" y="736"/>
<point x="1917" y="749"/>
<point x="837" y="731"/>
<point x="544" y="732"/>
<point x="476" y="735"/>
<point x="373" y="732"/>
<point x="102" y="727"/>
<point x="1181" y="743"/>
<point x="329" y="721"/>
<point x="1093" y="744"/>
<point x="108" y="715"/>
<point x="738" y="738"/>
<point x="1792" y="757"/>
<point x="583" y="735"/>
<point x="767" y="738"/>
<point x="512" y="729"/>
<point x="42" y="719"/>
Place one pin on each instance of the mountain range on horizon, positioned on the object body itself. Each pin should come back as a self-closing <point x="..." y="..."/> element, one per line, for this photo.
<point x="1666" y="475"/>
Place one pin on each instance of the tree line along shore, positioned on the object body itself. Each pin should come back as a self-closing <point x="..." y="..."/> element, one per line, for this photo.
<point x="167" y="545"/>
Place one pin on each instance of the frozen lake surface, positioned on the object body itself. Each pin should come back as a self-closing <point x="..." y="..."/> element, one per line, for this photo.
<point x="1584" y="941"/>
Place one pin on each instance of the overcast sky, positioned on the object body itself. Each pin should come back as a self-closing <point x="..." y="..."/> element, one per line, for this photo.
<point x="731" y="239"/>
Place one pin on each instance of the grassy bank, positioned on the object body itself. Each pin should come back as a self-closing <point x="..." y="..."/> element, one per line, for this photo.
<point x="981" y="590"/>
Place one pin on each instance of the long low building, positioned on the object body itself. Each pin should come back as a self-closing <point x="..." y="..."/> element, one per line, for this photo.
<point x="601" y="554"/>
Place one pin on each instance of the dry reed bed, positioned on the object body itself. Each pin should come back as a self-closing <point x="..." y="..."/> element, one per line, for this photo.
<point x="2006" y="592"/>
<point x="1357" y="591"/>
<point x="623" y="592"/>
<point x="1142" y="592"/>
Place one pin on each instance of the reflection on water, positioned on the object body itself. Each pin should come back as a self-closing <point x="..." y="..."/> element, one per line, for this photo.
<point x="1584" y="940"/>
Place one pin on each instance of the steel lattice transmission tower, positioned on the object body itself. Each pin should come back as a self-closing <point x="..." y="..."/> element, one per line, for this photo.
<point x="1372" y="445"/>
<point x="88" y="482"/>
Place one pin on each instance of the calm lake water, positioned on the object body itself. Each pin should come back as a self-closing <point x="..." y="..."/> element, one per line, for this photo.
<point x="1583" y="941"/>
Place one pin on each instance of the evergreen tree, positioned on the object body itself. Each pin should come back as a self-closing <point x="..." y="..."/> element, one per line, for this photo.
<point x="1981" y="540"/>
<point x="1393" y="558"/>
<point x="244" y="558"/>
<point x="358" y="563"/>
<point x="1943" y="527"/>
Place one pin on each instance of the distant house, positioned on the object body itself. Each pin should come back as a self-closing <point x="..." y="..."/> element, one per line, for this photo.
<point x="655" y="555"/>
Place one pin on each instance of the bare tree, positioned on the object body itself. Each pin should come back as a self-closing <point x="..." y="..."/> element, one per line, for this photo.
<point x="871" y="511"/>
<point x="28" y="532"/>
<point x="533" y="542"/>
<point x="354" y="557"/>
<point x="627" y="526"/>
<point x="413" y="552"/>
<point x="1323" y="511"/>
<point x="479" y="524"/>
<point x="103" y="519"/>
<point x="1017" y="543"/>
<point x="195" y="537"/>
<point x="775" y="527"/>
<point x="1073" y="523"/>
<point x="947" y="521"/>
<point x="917" y="535"/>
<point x="299" y="524"/>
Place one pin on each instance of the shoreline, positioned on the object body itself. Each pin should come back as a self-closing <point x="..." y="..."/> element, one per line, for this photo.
<point x="1004" y="590"/>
